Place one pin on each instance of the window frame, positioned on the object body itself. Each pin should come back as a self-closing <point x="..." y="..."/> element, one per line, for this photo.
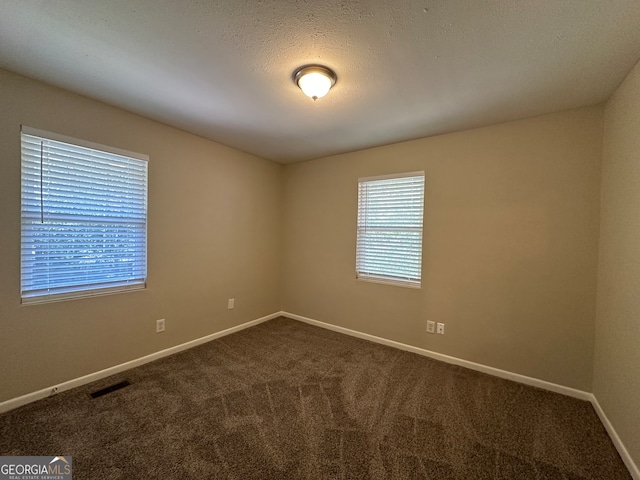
<point x="388" y="278"/>
<point x="83" y="289"/>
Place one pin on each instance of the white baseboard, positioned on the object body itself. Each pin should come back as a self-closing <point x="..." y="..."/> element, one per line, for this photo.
<point x="496" y="372"/>
<point x="622" y="450"/>
<point x="92" y="377"/>
<point x="516" y="377"/>
<point x="535" y="382"/>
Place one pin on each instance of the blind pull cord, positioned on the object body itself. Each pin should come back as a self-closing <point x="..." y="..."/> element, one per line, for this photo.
<point x="41" y="182"/>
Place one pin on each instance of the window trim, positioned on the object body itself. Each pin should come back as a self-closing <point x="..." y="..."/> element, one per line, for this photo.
<point x="119" y="286"/>
<point x="81" y="143"/>
<point x="380" y="278"/>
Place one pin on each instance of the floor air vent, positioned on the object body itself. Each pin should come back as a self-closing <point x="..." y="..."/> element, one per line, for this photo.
<point x="110" y="389"/>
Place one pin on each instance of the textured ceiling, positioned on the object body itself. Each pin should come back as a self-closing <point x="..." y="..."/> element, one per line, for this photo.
<point x="406" y="69"/>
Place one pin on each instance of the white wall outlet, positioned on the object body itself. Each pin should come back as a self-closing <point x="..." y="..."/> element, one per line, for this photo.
<point x="54" y="390"/>
<point x="431" y="326"/>
<point x="231" y="303"/>
<point x="160" y="325"/>
<point x="440" y="328"/>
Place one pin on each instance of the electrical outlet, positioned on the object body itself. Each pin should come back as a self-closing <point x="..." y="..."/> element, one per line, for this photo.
<point x="231" y="303"/>
<point x="160" y="325"/>
<point x="431" y="326"/>
<point x="440" y="328"/>
<point x="54" y="390"/>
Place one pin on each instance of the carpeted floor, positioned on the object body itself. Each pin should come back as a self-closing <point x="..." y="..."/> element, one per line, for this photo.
<point x="285" y="400"/>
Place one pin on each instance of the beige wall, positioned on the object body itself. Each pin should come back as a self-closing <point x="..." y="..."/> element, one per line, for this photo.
<point x="214" y="233"/>
<point x="510" y="248"/>
<point x="510" y="245"/>
<point x="617" y="357"/>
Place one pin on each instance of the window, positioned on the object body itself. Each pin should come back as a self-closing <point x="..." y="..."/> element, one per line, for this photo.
<point x="389" y="240"/>
<point x="84" y="218"/>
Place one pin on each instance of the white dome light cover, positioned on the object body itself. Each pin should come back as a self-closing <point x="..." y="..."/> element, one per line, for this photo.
<point x="315" y="81"/>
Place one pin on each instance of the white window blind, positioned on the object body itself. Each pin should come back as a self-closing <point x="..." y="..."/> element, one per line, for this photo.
<point x="84" y="218"/>
<point x="389" y="239"/>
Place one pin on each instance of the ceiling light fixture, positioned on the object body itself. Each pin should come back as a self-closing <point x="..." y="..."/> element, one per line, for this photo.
<point x="315" y="81"/>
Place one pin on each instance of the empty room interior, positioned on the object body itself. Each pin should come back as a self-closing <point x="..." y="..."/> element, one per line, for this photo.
<point x="427" y="268"/>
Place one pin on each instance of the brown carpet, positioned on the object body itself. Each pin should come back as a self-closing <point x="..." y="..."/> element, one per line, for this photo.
<point x="285" y="400"/>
